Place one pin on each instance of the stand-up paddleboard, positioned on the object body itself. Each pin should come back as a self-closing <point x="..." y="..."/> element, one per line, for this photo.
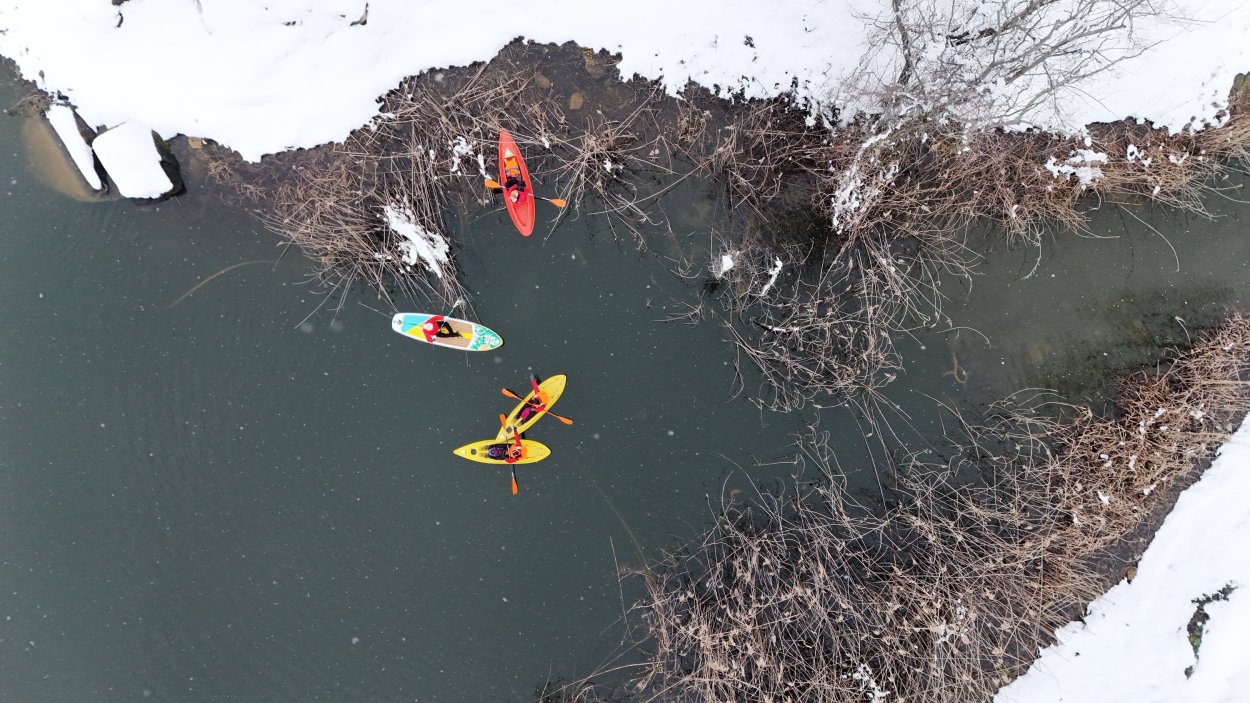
<point x="533" y="451"/>
<point x="552" y="388"/>
<point x="465" y="335"/>
<point x="523" y="213"/>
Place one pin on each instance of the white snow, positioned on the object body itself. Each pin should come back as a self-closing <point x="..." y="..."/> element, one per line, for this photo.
<point x="1080" y="164"/>
<point x="772" y="276"/>
<point x="726" y="263"/>
<point x="129" y="156"/>
<point x="421" y="244"/>
<point x="62" y="119"/>
<point x="463" y="147"/>
<point x="1133" y="645"/>
<point x="267" y="77"/>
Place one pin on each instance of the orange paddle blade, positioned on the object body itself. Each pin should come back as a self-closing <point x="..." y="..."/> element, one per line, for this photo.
<point x="515" y="488"/>
<point x="558" y="202"/>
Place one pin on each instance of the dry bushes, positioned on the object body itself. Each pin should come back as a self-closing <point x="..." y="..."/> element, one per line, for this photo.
<point x="425" y="156"/>
<point x="899" y="201"/>
<point x="373" y="208"/>
<point x="950" y="594"/>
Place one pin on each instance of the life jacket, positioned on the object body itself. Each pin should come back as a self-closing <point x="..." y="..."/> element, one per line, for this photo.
<point x="516" y="451"/>
<point x="512" y="169"/>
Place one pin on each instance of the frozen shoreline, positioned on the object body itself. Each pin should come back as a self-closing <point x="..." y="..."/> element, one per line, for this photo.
<point x="298" y="73"/>
<point x="1133" y="644"/>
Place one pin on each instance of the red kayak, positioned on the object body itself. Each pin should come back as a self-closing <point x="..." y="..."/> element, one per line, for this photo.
<point x="521" y="210"/>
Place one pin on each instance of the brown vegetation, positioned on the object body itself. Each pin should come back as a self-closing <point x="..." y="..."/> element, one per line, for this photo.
<point x="901" y="203"/>
<point x="950" y="593"/>
<point x="429" y="150"/>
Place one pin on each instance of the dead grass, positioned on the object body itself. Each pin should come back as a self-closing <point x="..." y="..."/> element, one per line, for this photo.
<point x="900" y="202"/>
<point x="949" y="594"/>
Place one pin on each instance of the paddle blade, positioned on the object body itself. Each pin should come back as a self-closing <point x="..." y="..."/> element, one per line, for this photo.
<point x="515" y="488"/>
<point x="493" y="185"/>
<point x="503" y="420"/>
<point x="558" y="202"/>
<point x="510" y="394"/>
<point x="561" y="418"/>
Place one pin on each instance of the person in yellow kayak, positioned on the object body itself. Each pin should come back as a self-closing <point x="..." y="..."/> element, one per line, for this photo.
<point x="509" y="452"/>
<point x="513" y="186"/>
<point x="536" y="403"/>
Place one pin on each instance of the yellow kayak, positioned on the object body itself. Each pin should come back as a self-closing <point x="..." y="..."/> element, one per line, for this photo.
<point x="534" y="451"/>
<point x="552" y="388"/>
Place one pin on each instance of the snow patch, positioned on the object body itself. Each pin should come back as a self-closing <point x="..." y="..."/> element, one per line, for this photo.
<point x="1082" y="164"/>
<point x="66" y="126"/>
<point x="422" y="245"/>
<point x="772" y="276"/>
<point x="128" y="153"/>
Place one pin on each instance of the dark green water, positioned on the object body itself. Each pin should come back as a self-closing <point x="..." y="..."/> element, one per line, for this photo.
<point x="216" y="501"/>
<point x="223" y="501"/>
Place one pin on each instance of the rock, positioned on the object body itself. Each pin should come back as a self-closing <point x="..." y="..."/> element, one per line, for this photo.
<point x="575" y="101"/>
<point x="596" y="64"/>
<point x="542" y="81"/>
<point x="139" y="163"/>
<point x="76" y="137"/>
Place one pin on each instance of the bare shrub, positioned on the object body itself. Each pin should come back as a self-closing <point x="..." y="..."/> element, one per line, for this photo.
<point x="427" y="153"/>
<point x="990" y="63"/>
<point x="951" y="592"/>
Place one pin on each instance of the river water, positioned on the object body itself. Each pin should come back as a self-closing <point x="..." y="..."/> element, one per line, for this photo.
<point x="241" y="494"/>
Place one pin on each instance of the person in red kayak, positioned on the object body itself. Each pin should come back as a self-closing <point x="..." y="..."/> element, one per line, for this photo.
<point x="509" y="452"/>
<point x="513" y="186"/>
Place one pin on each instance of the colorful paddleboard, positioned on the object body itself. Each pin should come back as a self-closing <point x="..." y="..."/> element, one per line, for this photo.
<point x="523" y="211"/>
<point x="534" y="451"/>
<point x="552" y="388"/>
<point x="465" y="335"/>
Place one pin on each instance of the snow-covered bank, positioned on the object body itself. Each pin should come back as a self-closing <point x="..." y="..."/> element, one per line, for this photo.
<point x="262" y="78"/>
<point x="1133" y="645"/>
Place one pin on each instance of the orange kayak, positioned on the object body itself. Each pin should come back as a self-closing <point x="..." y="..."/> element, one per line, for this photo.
<point x="522" y="212"/>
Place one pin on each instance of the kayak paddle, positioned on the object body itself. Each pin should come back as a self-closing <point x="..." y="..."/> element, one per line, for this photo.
<point x="503" y="422"/>
<point x="458" y="303"/>
<point x="558" y="202"/>
<point x="561" y="418"/>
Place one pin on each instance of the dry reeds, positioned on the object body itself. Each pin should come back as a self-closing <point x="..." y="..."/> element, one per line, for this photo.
<point x="948" y="595"/>
<point x="427" y="152"/>
<point x="898" y="202"/>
